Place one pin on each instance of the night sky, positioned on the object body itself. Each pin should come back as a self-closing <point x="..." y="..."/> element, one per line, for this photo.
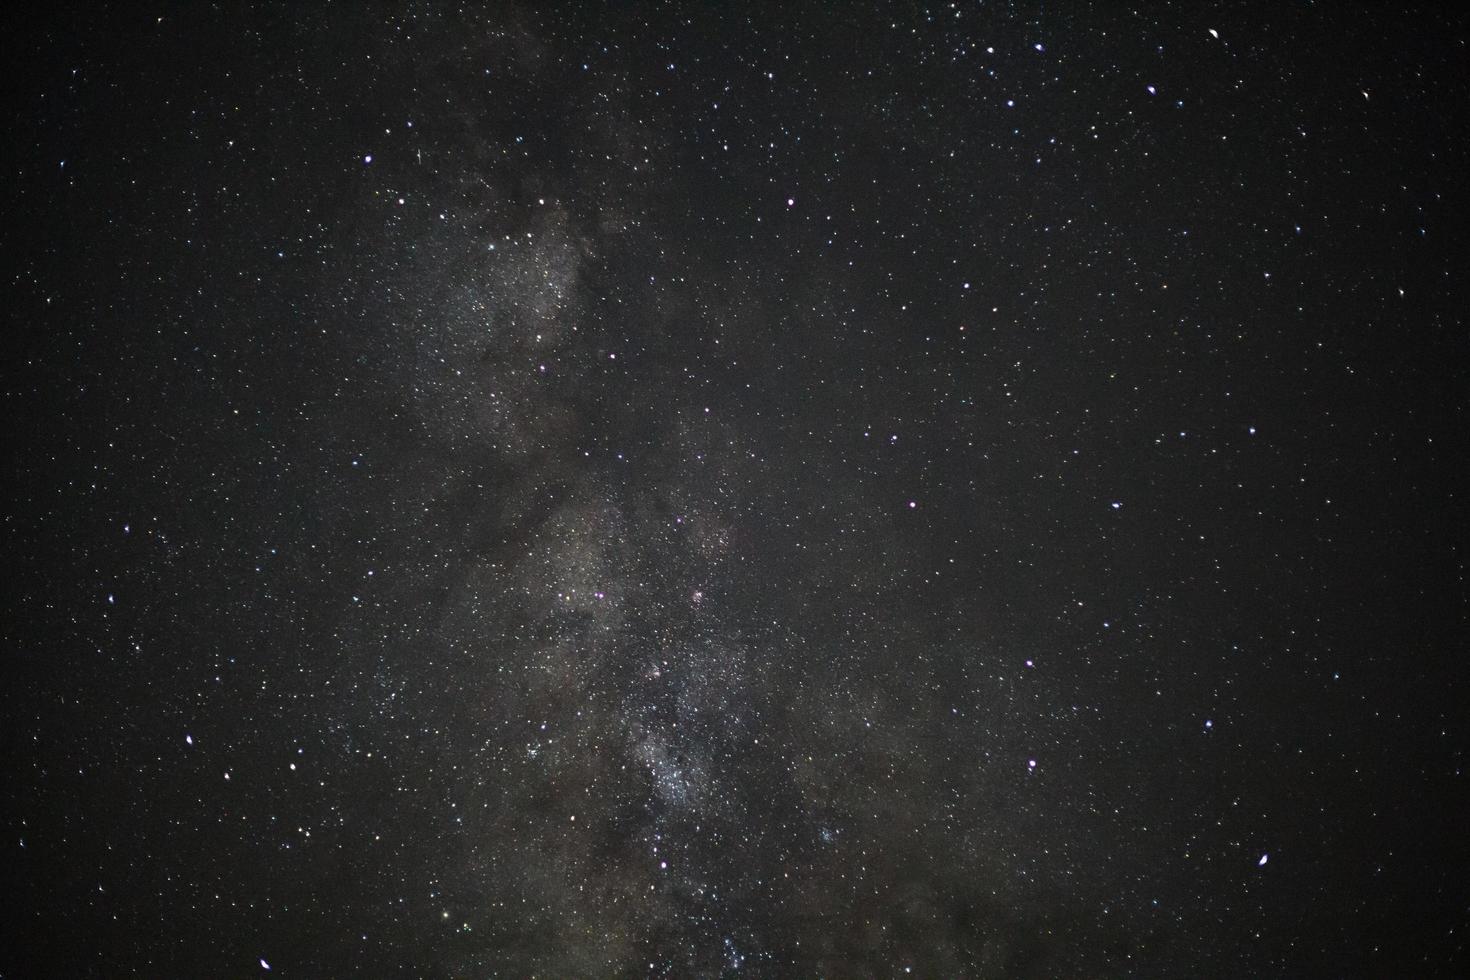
<point x="702" y="491"/>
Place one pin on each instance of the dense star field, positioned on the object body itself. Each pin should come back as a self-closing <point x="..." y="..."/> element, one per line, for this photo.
<point x="703" y="491"/>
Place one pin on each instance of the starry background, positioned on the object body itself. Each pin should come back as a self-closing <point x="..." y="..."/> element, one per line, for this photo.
<point x="646" y="490"/>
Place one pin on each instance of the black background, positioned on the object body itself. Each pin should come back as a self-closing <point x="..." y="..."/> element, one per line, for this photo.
<point x="898" y="493"/>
